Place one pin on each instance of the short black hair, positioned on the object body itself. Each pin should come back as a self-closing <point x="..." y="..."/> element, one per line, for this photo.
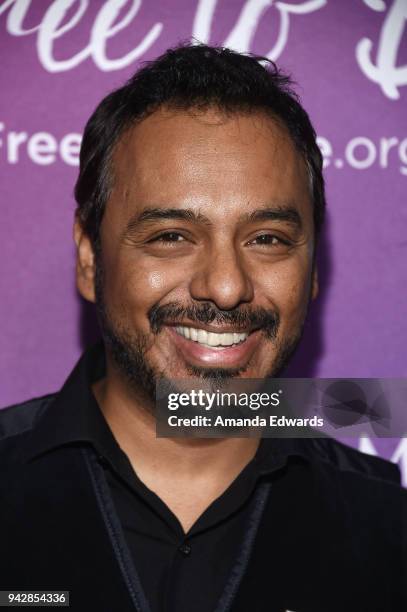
<point x="185" y="77"/>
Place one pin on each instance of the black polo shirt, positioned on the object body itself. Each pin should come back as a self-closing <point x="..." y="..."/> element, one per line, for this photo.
<point x="178" y="572"/>
<point x="309" y="525"/>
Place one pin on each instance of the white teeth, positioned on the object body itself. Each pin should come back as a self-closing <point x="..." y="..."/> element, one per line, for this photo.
<point x="201" y="337"/>
<point x="211" y="338"/>
<point x="227" y="339"/>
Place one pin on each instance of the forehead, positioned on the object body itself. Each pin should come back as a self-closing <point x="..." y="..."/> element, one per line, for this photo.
<point x="215" y="162"/>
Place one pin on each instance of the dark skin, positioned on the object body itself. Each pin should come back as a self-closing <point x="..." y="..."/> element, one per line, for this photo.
<point x="247" y="241"/>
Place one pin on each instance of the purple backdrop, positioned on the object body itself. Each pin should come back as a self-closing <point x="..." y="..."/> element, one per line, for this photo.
<point x="59" y="57"/>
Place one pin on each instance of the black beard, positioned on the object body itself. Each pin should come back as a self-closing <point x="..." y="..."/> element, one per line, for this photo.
<point x="128" y="350"/>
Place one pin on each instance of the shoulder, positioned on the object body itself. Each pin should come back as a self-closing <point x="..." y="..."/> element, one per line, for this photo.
<point x="17" y="423"/>
<point x="347" y="460"/>
<point x="367" y="488"/>
<point x="21" y="418"/>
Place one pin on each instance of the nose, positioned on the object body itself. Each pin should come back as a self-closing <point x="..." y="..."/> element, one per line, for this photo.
<point x="222" y="278"/>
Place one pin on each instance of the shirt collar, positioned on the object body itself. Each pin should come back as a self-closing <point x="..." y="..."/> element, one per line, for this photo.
<point x="74" y="416"/>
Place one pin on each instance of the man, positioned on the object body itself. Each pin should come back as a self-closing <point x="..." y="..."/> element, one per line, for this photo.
<point x="200" y="202"/>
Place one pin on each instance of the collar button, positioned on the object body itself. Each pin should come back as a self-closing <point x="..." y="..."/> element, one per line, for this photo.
<point x="185" y="549"/>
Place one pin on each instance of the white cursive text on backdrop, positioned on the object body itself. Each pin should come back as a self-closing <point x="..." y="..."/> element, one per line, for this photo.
<point x="110" y="21"/>
<point x="385" y="71"/>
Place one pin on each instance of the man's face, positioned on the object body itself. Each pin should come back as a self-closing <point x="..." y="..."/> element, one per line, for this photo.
<point x="206" y="247"/>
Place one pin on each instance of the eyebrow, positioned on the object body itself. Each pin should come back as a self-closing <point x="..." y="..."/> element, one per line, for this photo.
<point x="286" y="213"/>
<point x="283" y="212"/>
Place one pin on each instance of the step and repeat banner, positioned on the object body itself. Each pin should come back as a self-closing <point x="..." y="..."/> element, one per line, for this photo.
<point x="349" y="59"/>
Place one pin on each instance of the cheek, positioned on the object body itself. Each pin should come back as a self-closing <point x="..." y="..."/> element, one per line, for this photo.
<point x="138" y="289"/>
<point x="133" y="287"/>
<point x="156" y="281"/>
<point x="287" y="287"/>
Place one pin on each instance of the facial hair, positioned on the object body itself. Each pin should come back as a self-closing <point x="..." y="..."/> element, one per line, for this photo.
<point x="128" y="348"/>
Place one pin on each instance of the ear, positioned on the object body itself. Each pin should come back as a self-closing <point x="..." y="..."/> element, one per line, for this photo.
<point x="314" y="283"/>
<point x="85" y="263"/>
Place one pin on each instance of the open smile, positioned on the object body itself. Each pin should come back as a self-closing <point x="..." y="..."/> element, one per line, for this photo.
<point x="221" y="348"/>
<point x="211" y="339"/>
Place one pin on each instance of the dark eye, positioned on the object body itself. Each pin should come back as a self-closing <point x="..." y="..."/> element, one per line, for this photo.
<point x="269" y="240"/>
<point x="169" y="237"/>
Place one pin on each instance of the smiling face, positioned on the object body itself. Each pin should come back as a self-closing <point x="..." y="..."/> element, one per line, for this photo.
<point x="206" y="248"/>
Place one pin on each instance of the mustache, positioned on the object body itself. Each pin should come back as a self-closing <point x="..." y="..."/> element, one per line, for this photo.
<point x="267" y="320"/>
